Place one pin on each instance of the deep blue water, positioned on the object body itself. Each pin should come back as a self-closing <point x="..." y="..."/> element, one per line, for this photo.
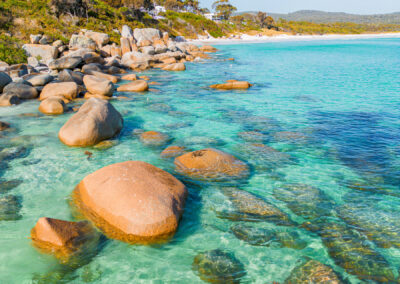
<point x="331" y="109"/>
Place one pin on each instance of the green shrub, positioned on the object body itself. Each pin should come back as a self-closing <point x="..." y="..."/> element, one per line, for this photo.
<point x="10" y="51"/>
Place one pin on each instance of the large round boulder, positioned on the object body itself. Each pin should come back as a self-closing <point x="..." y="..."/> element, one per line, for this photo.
<point x="70" y="76"/>
<point x="40" y="80"/>
<point x="4" y="80"/>
<point x="21" y="90"/>
<point x="135" y="86"/>
<point x="96" y="120"/>
<point x="67" y="90"/>
<point x="101" y="75"/>
<point x="210" y="163"/>
<point x="98" y="86"/>
<point x="133" y="201"/>
<point x="66" y="62"/>
<point x="52" y="106"/>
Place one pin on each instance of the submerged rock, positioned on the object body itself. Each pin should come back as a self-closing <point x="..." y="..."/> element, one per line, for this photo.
<point x="264" y="157"/>
<point x="104" y="145"/>
<point x="217" y="266"/>
<point x="291" y="137"/>
<point x="4" y="126"/>
<point x="10" y="207"/>
<point x="12" y="153"/>
<point x="154" y="138"/>
<point x="258" y="123"/>
<point x="253" y="136"/>
<point x="313" y="272"/>
<point x="250" y="207"/>
<point x="380" y="226"/>
<point x="160" y="107"/>
<point x="371" y="187"/>
<point x="350" y="250"/>
<point x="202" y="141"/>
<point x="133" y="201"/>
<point x="211" y="164"/>
<point x="64" y="239"/>
<point x="173" y="151"/>
<point x="96" y="120"/>
<point x="7" y="185"/>
<point x="267" y="237"/>
<point x="306" y="201"/>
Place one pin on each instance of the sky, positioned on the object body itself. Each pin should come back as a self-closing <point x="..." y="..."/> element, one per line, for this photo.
<point x="287" y="6"/>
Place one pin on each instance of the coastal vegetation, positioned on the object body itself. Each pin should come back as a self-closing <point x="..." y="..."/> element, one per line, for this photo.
<point x="334" y="28"/>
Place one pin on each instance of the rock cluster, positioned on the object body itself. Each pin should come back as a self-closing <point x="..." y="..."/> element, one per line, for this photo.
<point x="90" y="64"/>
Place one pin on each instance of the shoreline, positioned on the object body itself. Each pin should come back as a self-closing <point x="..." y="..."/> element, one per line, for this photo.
<point x="281" y="38"/>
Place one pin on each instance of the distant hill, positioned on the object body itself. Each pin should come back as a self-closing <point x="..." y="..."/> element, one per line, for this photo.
<point x="329" y="17"/>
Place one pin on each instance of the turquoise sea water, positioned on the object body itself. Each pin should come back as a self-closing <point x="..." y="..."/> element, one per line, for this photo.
<point x="341" y="100"/>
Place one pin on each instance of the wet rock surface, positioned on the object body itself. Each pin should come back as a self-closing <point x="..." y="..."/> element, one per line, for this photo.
<point x="133" y="201"/>
<point x="313" y="271"/>
<point x="350" y="250"/>
<point x="380" y="226"/>
<point x="217" y="266"/>
<point x="10" y="206"/>
<point x="154" y="138"/>
<point x="249" y="207"/>
<point x="64" y="239"/>
<point x="305" y="201"/>
<point x="268" y="237"/>
<point x="7" y="185"/>
<point x="96" y="120"/>
<point x="211" y="164"/>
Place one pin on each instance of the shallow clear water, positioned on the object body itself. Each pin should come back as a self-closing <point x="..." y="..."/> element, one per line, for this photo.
<point x="341" y="96"/>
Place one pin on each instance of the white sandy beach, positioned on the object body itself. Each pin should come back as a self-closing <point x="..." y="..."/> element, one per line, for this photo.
<point x="260" y="39"/>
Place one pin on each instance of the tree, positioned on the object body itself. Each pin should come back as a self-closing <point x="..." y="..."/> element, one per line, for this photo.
<point x="191" y="5"/>
<point x="137" y="4"/>
<point x="224" y="9"/>
<point x="173" y="5"/>
<point x="76" y="8"/>
<point x="265" y="21"/>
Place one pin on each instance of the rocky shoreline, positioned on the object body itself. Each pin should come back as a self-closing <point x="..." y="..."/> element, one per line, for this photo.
<point x="138" y="203"/>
